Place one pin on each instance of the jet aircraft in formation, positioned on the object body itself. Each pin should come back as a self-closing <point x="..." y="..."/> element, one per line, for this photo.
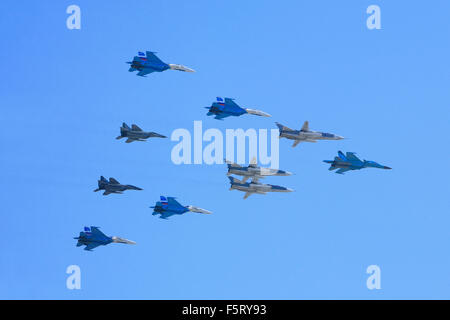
<point x="136" y="134"/>
<point x="253" y="171"/>
<point x="92" y="238"/>
<point x="222" y="109"/>
<point x="304" y="134"/>
<point x="168" y="206"/>
<point x="255" y="187"/>
<point x="148" y="62"/>
<point x="113" y="186"/>
<point x="350" y="161"/>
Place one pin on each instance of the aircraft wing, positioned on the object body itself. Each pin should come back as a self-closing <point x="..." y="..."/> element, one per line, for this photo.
<point x="229" y="102"/>
<point x="96" y="232"/>
<point x="145" y="71"/>
<point x="247" y="194"/>
<point x="172" y="201"/>
<point x="153" y="58"/>
<point x="351" y="157"/>
<point x="135" y="127"/>
<point x="107" y="192"/>
<point x="221" y="116"/>
<point x="305" y="126"/>
<point x="342" y="170"/>
<point x="114" y="181"/>
<point x="296" y="143"/>
<point x="166" y="214"/>
<point x="129" y="140"/>
<point x="91" y="246"/>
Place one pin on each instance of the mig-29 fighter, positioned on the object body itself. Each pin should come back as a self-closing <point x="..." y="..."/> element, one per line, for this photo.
<point x="148" y="62"/>
<point x="304" y="134"/>
<point x="92" y="237"/>
<point x="350" y="161"/>
<point x="136" y="134"/>
<point x="113" y="186"/>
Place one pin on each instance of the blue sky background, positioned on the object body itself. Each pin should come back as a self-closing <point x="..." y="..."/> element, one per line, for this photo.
<point x="64" y="94"/>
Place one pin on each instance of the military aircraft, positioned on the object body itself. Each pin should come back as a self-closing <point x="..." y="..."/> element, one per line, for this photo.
<point x="253" y="171"/>
<point x="255" y="187"/>
<point x="92" y="238"/>
<point x="350" y="161"/>
<point x="136" y="134"/>
<point x="168" y="206"/>
<point x="222" y="109"/>
<point x="304" y="134"/>
<point x="148" y="62"/>
<point x="113" y="186"/>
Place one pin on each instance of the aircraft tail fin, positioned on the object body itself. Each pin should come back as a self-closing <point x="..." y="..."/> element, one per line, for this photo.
<point x="281" y="127"/>
<point x="125" y="126"/>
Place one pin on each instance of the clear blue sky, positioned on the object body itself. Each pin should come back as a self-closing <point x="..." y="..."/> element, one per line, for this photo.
<point x="64" y="94"/>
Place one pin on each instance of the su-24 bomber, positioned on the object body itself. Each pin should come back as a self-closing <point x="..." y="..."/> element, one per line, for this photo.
<point x="148" y="62"/>
<point x="304" y="134"/>
<point x="92" y="238"/>
<point x="253" y="170"/>
<point x="136" y="134"/>
<point x="168" y="206"/>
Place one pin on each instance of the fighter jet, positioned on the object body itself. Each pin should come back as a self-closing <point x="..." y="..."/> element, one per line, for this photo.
<point x="255" y="187"/>
<point x="168" y="206"/>
<point x="351" y="162"/>
<point x="113" y="186"/>
<point x="222" y="109"/>
<point x="92" y="238"/>
<point x="253" y="171"/>
<point x="305" y="135"/>
<point x="148" y="62"/>
<point x="136" y="134"/>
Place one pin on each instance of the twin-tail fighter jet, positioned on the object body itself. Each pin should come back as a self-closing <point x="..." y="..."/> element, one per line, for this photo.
<point x="148" y="62"/>
<point x="350" y="161"/>
<point x="227" y="108"/>
<point x="136" y="134"/>
<point x="304" y="134"/>
<point x="113" y="186"/>
<point x="92" y="238"/>
<point x="253" y="171"/>
<point x="168" y="206"/>
<point x="255" y="187"/>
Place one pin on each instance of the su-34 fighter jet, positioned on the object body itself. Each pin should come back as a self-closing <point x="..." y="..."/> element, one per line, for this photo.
<point x="304" y="134"/>
<point x="168" y="206"/>
<point x="253" y="171"/>
<point x="148" y="62"/>
<point x="136" y="134"/>
<point x="255" y="187"/>
<point x="351" y="162"/>
<point x="92" y="238"/>
<point x="113" y="186"/>
<point x="222" y="109"/>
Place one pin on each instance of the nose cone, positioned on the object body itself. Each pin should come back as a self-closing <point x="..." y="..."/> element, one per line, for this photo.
<point x="180" y="67"/>
<point x="122" y="240"/>
<point x="339" y="137"/>
<point x="284" y="173"/>
<point x="385" y="167"/>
